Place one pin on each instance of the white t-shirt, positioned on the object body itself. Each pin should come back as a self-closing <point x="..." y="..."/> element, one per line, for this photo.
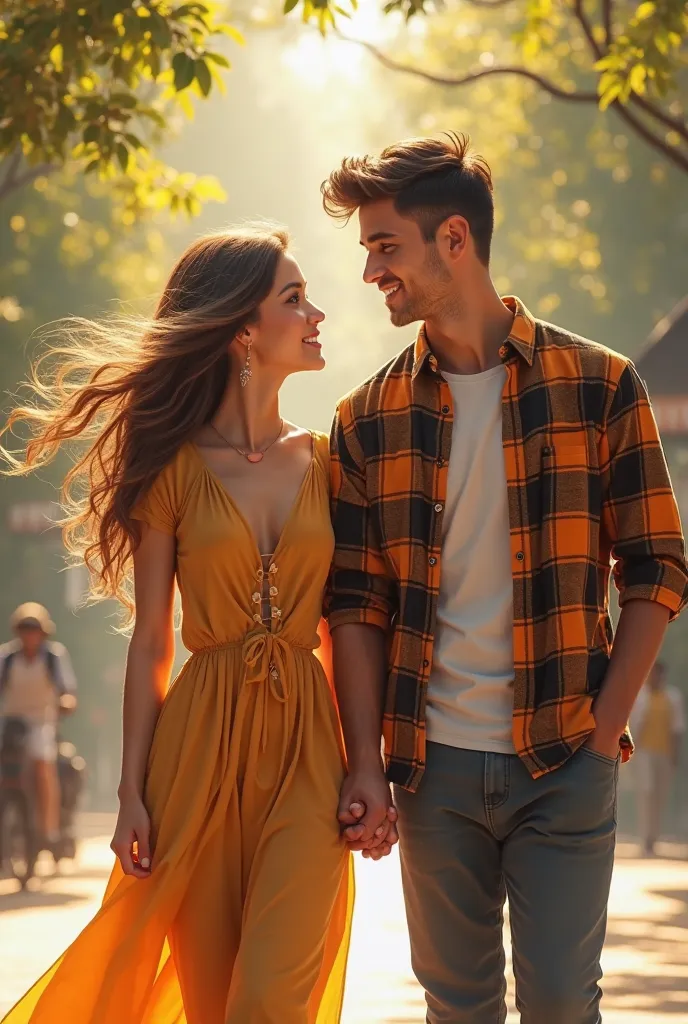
<point x="470" y="696"/>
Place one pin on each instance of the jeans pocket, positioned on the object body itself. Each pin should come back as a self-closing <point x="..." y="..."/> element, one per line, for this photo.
<point x="604" y="758"/>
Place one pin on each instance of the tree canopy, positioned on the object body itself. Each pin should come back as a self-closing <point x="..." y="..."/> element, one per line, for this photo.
<point x="627" y="57"/>
<point x="95" y="88"/>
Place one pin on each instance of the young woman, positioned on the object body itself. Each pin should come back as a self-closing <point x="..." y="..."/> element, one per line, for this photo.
<point x="230" y="901"/>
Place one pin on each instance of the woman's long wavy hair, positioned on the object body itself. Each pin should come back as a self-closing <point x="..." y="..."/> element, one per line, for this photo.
<point x="132" y="391"/>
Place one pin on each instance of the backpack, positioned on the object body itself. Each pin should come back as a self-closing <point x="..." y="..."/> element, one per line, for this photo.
<point x="51" y="664"/>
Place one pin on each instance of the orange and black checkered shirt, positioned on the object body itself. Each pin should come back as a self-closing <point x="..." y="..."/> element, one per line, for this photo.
<point x="588" y="489"/>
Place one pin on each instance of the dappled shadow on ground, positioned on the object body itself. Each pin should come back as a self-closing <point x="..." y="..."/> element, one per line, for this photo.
<point x="50" y="888"/>
<point x="647" y="952"/>
<point x="30" y="899"/>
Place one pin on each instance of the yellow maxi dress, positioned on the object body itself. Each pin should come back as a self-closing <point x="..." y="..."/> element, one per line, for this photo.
<point x="245" y="916"/>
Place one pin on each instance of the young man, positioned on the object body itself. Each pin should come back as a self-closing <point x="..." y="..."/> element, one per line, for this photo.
<point x="659" y="725"/>
<point x="37" y="683"/>
<point x="483" y="481"/>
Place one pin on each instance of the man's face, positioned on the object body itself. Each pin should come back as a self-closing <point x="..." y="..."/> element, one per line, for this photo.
<point x="409" y="271"/>
<point x="31" y="638"/>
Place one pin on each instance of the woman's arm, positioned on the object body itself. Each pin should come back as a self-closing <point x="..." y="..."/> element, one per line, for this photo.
<point x="149" y="663"/>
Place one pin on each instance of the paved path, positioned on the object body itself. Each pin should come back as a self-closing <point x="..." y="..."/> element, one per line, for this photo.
<point x="646" y="958"/>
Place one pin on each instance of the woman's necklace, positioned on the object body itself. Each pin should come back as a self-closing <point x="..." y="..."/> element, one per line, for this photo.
<point x="250" y="456"/>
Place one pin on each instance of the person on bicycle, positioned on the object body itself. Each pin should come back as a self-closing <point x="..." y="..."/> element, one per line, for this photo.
<point x="37" y="683"/>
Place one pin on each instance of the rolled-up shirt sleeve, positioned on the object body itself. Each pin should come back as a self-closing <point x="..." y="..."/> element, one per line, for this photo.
<point x="360" y="589"/>
<point x="639" y="511"/>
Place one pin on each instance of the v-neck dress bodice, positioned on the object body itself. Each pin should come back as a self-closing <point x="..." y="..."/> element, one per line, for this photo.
<point x="219" y="566"/>
<point x="246" y="914"/>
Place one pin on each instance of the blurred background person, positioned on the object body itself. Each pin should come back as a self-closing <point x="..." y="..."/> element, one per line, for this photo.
<point x="37" y="683"/>
<point x="658" y="725"/>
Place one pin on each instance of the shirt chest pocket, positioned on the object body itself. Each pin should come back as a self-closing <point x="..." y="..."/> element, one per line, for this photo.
<point x="569" y="481"/>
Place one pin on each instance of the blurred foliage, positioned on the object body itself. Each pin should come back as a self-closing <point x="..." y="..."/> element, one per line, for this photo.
<point x="62" y="252"/>
<point x="591" y="224"/>
<point x="90" y="93"/>
<point x="96" y="87"/>
<point x="626" y="56"/>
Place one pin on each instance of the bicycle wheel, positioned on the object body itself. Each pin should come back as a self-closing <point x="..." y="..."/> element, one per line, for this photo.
<point x="18" y="852"/>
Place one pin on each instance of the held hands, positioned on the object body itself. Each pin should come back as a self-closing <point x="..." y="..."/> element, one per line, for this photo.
<point x="367" y="815"/>
<point x="131" y="842"/>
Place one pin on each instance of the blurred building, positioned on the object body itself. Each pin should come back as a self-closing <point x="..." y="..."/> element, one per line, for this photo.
<point x="663" y="365"/>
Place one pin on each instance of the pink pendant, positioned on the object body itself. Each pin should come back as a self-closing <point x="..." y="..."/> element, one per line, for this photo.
<point x="254" y="456"/>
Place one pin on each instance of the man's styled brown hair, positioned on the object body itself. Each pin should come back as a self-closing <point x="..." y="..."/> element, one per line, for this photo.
<point x="428" y="179"/>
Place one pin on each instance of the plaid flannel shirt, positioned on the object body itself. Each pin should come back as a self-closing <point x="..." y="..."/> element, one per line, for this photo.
<point x="588" y="489"/>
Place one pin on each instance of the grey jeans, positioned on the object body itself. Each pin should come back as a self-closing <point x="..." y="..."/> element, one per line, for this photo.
<point x="480" y="829"/>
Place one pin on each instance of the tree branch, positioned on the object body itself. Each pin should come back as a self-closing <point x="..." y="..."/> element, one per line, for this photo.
<point x="582" y="19"/>
<point x="13" y="162"/>
<point x="674" y="155"/>
<point x="13" y="181"/>
<point x="649" y="108"/>
<point x="675" y="124"/>
<point x="475" y="76"/>
<point x="607" y="19"/>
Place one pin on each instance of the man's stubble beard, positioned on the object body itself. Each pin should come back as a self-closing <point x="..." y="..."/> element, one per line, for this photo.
<point x="438" y="301"/>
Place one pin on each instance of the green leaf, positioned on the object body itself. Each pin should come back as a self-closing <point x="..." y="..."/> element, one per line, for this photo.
<point x="134" y="141"/>
<point x="612" y="94"/>
<point x="113" y="7"/>
<point x="232" y="33"/>
<point x="160" y="31"/>
<point x="637" y="79"/>
<point x="153" y="115"/>
<point x="646" y="10"/>
<point x="203" y="76"/>
<point x="217" y="58"/>
<point x="154" y="63"/>
<point x="134" y="26"/>
<point x="290" y="5"/>
<point x="65" y="121"/>
<point x="57" y="57"/>
<point x="91" y="133"/>
<point x="184" y="68"/>
<point x="208" y="189"/>
<point x="124" y="100"/>
<point x="123" y="156"/>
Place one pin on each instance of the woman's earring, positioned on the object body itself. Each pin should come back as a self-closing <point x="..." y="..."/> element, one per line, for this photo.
<point x="246" y="374"/>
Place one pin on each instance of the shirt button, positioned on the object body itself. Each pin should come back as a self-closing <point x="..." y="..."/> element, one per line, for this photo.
<point x="440" y="462"/>
<point x="438" y="507"/>
<point x="519" y="556"/>
<point x="445" y="410"/>
<point x="426" y="663"/>
<point x="432" y="560"/>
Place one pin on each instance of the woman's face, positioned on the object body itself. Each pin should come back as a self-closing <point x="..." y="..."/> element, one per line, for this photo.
<point x="286" y="336"/>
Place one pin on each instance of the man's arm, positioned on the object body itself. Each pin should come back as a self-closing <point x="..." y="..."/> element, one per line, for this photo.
<point x="360" y="667"/>
<point x="637" y="643"/>
<point x="359" y="607"/>
<point x="641" y="519"/>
